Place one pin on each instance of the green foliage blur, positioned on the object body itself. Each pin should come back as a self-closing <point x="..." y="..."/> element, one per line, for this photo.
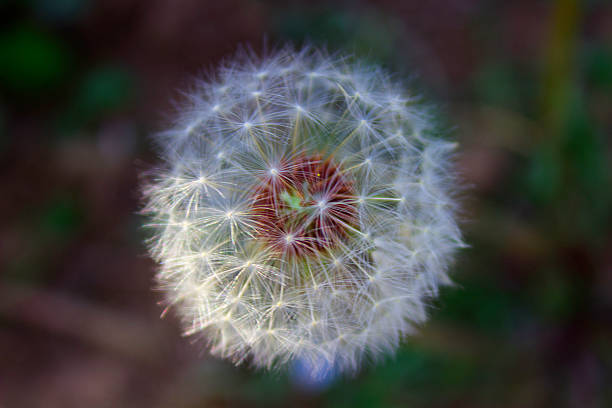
<point x="524" y="87"/>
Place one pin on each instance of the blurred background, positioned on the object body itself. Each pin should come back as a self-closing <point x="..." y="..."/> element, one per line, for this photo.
<point x="526" y="87"/>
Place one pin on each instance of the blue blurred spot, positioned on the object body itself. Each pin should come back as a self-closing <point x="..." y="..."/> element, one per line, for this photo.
<point x="313" y="376"/>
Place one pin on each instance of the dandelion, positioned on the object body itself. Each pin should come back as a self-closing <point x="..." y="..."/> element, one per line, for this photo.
<point x="305" y="211"/>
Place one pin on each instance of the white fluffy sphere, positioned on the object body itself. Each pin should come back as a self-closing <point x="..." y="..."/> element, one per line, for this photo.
<point x="304" y="212"/>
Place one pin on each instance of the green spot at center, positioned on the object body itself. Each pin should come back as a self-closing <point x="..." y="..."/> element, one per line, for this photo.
<point x="294" y="201"/>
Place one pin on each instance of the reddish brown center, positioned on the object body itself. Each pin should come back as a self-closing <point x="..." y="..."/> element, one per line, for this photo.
<point x="304" y="205"/>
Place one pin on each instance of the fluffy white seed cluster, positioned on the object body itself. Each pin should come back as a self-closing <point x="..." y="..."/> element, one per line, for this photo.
<point x="270" y="259"/>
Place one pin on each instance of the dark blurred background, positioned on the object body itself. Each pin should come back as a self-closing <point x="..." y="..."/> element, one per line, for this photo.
<point x="527" y="88"/>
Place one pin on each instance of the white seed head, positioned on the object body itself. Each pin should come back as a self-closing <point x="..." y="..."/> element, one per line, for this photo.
<point x="305" y="211"/>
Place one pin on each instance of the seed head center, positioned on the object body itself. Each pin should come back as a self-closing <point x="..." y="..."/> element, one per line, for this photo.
<point x="309" y="211"/>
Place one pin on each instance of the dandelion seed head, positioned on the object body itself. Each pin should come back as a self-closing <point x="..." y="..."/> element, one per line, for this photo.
<point x="309" y="220"/>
